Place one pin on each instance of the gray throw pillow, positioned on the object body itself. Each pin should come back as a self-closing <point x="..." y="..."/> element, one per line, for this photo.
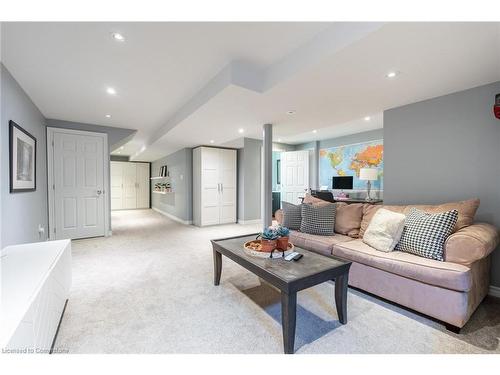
<point x="318" y="219"/>
<point x="291" y="215"/>
<point x="424" y="234"/>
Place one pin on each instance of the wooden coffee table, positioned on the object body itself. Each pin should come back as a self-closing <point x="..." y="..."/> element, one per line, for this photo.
<point x="289" y="277"/>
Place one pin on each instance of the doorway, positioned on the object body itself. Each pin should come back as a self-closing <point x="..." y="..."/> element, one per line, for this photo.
<point x="78" y="179"/>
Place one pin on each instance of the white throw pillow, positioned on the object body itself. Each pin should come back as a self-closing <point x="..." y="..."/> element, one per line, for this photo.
<point x="385" y="230"/>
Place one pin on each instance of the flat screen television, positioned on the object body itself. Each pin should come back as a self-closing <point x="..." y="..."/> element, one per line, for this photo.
<point x="342" y="182"/>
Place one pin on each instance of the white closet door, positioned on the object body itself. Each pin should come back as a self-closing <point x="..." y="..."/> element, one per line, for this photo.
<point x="294" y="175"/>
<point x="210" y="186"/>
<point x="78" y="185"/>
<point x="227" y="178"/>
<point x="116" y="185"/>
<point x="129" y="185"/>
<point x="142" y="185"/>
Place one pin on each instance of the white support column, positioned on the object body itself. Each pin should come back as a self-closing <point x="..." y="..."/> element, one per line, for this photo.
<point x="267" y="176"/>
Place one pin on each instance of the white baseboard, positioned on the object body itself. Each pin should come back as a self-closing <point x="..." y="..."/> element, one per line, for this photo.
<point x="494" y="291"/>
<point x="257" y="221"/>
<point x="173" y="217"/>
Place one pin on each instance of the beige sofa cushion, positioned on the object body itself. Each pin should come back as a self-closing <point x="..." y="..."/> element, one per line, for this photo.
<point x="471" y="243"/>
<point x="348" y="218"/>
<point x="318" y="244"/>
<point x="442" y="274"/>
<point x="309" y="199"/>
<point x="466" y="212"/>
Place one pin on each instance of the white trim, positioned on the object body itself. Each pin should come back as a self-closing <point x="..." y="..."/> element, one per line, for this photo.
<point x="245" y="222"/>
<point x="173" y="217"/>
<point x="50" y="176"/>
<point x="494" y="291"/>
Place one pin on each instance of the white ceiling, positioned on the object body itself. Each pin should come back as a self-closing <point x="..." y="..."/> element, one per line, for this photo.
<point x="184" y="84"/>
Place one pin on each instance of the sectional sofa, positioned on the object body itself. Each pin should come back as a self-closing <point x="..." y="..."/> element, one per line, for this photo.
<point x="448" y="291"/>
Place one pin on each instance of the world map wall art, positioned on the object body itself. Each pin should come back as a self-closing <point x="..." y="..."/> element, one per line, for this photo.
<point x="348" y="160"/>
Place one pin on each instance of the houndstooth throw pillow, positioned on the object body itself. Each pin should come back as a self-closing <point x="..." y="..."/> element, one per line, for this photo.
<point x="292" y="216"/>
<point x="318" y="219"/>
<point x="424" y="234"/>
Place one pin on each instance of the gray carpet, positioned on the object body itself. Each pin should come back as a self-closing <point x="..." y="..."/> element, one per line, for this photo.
<point x="148" y="289"/>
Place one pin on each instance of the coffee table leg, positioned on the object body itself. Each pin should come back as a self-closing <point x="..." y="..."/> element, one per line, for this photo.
<point x="341" y="297"/>
<point x="288" y="317"/>
<point x="217" y="266"/>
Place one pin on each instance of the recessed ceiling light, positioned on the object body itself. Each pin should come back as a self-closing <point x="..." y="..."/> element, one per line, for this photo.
<point x="392" y="74"/>
<point x="212" y="141"/>
<point x="108" y="116"/>
<point x="241" y="131"/>
<point x="367" y="118"/>
<point x="121" y="148"/>
<point x="291" y="112"/>
<point x="117" y="36"/>
<point x="111" y="91"/>
<point x="279" y="139"/>
<point x="315" y="131"/>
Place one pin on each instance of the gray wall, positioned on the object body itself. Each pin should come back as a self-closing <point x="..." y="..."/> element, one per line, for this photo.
<point x="116" y="136"/>
<point x="250" y="177"/>
<point x="240" y="192"/>
<point x="249" y="180"/>
<point x="180" y="167"/>
<point x="371" y="135"/>
<point x="22" y="212"/>
<point x="119" y="158"/>
<point x="446" y="149"/>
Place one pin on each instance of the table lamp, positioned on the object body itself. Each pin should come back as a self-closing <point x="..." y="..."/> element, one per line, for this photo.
<point x="368" y="175"/>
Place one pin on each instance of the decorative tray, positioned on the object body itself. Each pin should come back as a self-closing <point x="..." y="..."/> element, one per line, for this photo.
<point x="253" y="248"/>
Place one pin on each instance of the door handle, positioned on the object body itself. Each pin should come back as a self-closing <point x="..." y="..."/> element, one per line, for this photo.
<point x="99" y="192"/>
<point x="218" y="188"/>
<point x="221" y="188"/>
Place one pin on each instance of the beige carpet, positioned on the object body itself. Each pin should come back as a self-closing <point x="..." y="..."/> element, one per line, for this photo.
<point x="148" y="289"/>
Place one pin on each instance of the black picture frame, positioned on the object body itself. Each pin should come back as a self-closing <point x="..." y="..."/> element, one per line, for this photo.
<point x="13" y="158"/>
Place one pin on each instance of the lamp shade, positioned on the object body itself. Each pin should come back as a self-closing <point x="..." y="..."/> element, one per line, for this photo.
<point x="368" y="174"/>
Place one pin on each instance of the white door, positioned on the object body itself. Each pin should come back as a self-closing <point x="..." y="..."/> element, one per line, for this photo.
<point x="227" y="189"/>
<point x="77" y="167"/>
<point x="129" y="186"/>
<point x="210" y="186"/>
<point x="142" y="185"/>
<point x="116" y="185"/>
<point x="294" y="175"/>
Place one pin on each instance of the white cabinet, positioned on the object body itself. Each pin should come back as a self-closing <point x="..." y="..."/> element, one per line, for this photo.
<point x="129" y="185"/>
<point x="214" y="186"/>
<point x="36" y="280"/>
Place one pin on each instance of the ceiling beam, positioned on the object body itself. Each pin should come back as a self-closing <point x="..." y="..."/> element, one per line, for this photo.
<point x="259" y="79"/>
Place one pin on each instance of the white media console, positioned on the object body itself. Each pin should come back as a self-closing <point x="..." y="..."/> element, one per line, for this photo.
<point x="35" y="281"/>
